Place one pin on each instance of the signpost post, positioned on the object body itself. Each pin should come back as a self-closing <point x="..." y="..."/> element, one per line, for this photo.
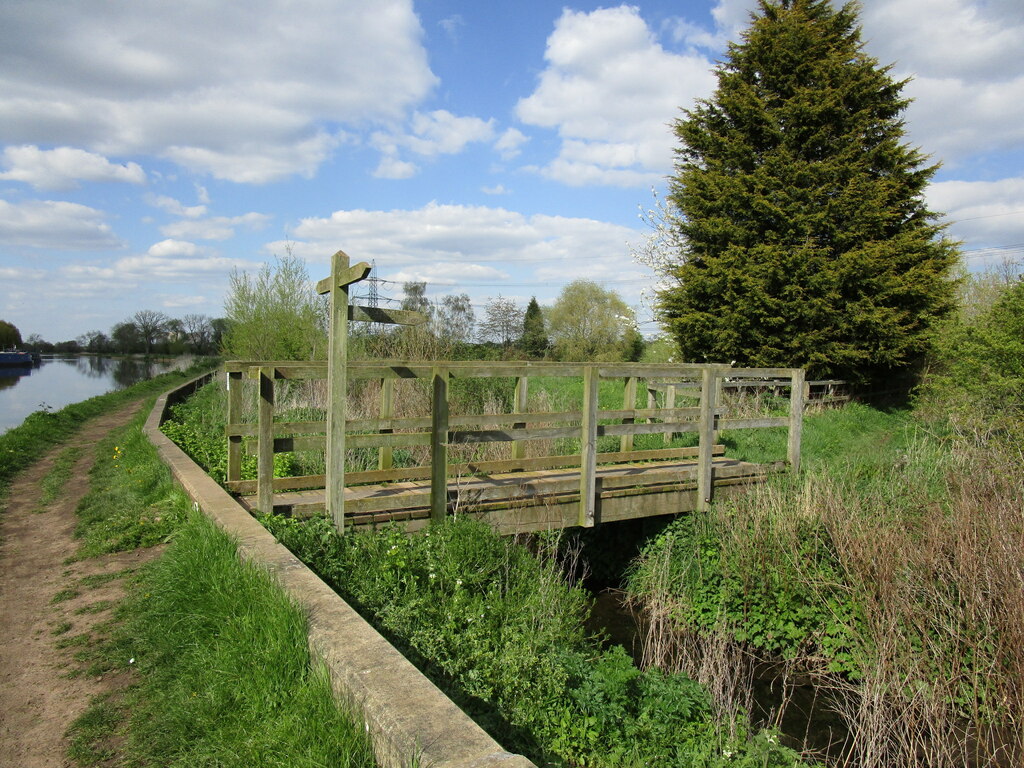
<point x="342" y="276"/>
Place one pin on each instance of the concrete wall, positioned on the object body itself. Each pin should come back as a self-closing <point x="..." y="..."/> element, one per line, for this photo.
<point x="410" y="721"/>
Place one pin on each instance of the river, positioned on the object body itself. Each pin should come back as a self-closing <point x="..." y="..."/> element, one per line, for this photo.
<point x="64" y="379"/>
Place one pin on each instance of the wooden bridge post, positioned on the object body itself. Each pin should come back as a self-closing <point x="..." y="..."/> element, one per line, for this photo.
<point x="265" y="447"/>
<point x="234" y="384"/>
<point x="439" y="447"/>
<point x="705" y="470"/>
<point x="522" y="393"/>
<point x="385" y="455"/>
<point x="588" y="447"/>
<point x="670" y="403"/>
<point x="628" y="404"/>
<point x="796" y="417"/>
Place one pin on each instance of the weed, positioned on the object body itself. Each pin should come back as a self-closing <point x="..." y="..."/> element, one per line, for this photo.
<point x="61" y="628"/>
<point x="65" y="594"/>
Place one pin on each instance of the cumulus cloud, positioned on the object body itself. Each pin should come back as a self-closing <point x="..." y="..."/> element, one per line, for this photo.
<point x="510" y="142"/>
<point x="250" y="93"/>
<point x="968" y="74"/>
<point x="56" y="225"/>
<point x="982" y="213"/>
<point x="176" y="207"/>
<point x="458" y="246"/>
<point x="64" y="167"/>
<point x="215" y="227"/>
<point x="430" y="134"/>
<point x="611" y="90"/>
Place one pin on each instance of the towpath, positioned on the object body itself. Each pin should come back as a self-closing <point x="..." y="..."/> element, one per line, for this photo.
<point x="47" y="602"/>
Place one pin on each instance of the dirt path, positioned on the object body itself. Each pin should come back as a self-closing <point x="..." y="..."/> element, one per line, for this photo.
<point x="38" y="700"/>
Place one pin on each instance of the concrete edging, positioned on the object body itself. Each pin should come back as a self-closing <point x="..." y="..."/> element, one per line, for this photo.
<point x="410" y="721"/>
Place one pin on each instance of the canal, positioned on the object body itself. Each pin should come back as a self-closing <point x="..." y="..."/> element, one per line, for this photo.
<point x="64" y="379"/>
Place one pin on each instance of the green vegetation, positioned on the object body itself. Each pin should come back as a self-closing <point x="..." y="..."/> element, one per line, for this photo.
<point x="10" y="336"/>
<point x="500" y="630"/>
<point x="887" y="573"/>
<point x="274" y="315"/>
<point x="796" y="232"/>
<point x="588" y="322"/>
<point x="226" y="674"/>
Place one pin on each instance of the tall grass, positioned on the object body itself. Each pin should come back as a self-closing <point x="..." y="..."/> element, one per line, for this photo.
<point x="895" y="584"/>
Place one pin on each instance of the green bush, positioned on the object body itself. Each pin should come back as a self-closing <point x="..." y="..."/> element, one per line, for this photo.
<point x="500" y="630"/>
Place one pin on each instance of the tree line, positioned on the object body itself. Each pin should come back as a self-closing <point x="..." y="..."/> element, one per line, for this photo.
<point x="147" y="332"/>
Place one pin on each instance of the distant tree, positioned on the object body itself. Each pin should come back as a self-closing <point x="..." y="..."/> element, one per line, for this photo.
<point x="535" y="336"/>
<point x="275" y="314"/>
<point x="198" y="333"/>
<point x="126" y="338"/>
<point x="36" y="343"/>
<point x="95" y="342"/>
<point x="415" y="299"/>
<point x="10" y="336"/>
<point x="152" y="326"/>
<point x="502" y="323"/>
<point x="798" y="213"/>
<point x="589" y="322"/>
<point x="453" y="319"/>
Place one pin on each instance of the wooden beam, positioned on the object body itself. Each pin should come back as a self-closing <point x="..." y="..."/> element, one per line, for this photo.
<point x="628" y="403"/>
<point x="337" y="385"/>
<point x="234" y="383"/>
<point x="265" y="447"/>
<point x="588" y="448"/>
<point x="705" y="469"/>
<point x="796" y="418"/>
<point x="522" y="394"/>
<point x="343" y="277"/>
<point x="439" y="447"/>
<point x="385" y="456"/>
<point x="386" y="316"/>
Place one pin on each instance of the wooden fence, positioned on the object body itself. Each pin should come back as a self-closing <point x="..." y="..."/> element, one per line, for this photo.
<point x="440" y="428"/>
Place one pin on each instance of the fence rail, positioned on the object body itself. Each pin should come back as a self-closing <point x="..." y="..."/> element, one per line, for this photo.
<point x="441" y="429"/>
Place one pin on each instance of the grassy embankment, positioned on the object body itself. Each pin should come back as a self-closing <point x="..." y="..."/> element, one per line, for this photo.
<point x="889" y="573"/>
<point x="223" y="674"/>
<point x="499" y="626"/>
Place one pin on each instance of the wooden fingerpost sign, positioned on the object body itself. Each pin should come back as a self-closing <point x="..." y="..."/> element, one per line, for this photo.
<point x="342" y="276"/>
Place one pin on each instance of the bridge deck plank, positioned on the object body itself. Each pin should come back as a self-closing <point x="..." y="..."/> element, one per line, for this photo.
<point x="534" y="500"/>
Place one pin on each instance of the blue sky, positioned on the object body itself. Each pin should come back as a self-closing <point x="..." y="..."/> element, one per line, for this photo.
<point x="148" y="148"/>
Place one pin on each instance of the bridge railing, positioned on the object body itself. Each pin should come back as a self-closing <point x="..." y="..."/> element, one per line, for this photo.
<point x="441" y="429"/>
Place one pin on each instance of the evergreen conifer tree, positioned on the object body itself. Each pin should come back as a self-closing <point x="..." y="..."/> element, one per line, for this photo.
<point x="805" y="240"/>
<point x="535" y="336"/>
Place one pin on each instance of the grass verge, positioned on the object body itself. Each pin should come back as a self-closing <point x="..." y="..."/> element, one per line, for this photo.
<point x="216" y="654"/>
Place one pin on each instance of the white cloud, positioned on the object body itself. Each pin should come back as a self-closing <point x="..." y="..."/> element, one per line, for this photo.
<point x="459" y="245"/>
<point x="64" y="167"/>
<point x="55" y="224"/>
<point x="249" y="93"/>
<point x="430" y="134"/>
<point x="497" y="189"/>
<point x="982" y="213"/>
<point x="177" y="208"/>
<point x="447" y="273"/>
<point x="509" y="143"/>
<point x="967" y="69"/>
<point x="390" y="167"/>
<point x="612" y="91"/>
<point x="215" y="227"/>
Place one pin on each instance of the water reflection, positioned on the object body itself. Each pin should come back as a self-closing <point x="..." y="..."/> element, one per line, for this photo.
<point x="11" y="376"/>
<point x="69" y="379"/>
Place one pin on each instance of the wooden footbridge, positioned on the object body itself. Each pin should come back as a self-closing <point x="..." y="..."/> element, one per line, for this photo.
<point x="572" y="467"/>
